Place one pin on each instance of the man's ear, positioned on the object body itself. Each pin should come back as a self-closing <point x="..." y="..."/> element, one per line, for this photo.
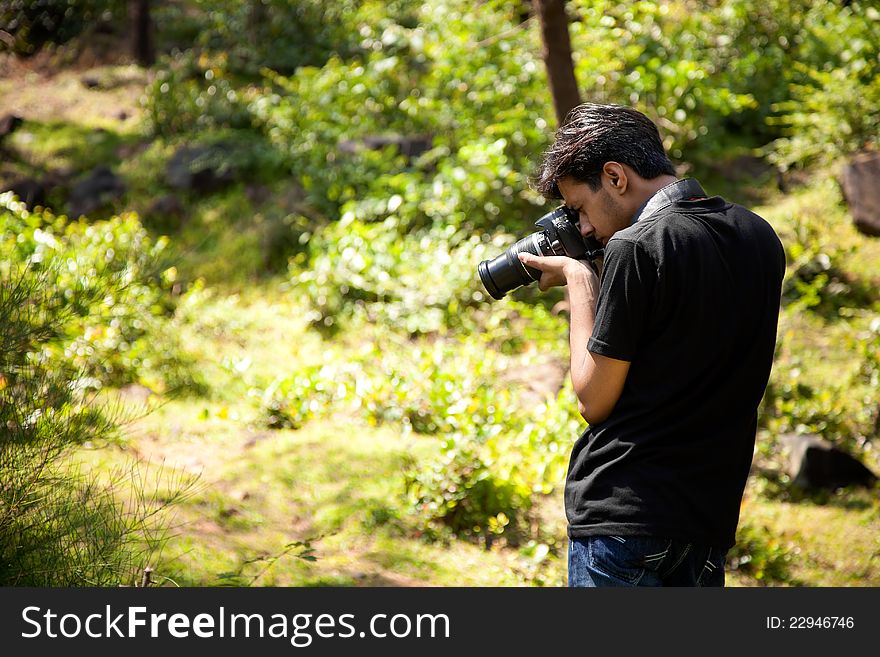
<point x="614" y="175"/>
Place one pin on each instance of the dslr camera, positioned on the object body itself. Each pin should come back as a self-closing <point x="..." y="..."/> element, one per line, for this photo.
<point x="559" y="235"/>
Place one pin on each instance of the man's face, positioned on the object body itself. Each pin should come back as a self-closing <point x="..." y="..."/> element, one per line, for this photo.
<point x="601" y="215"/>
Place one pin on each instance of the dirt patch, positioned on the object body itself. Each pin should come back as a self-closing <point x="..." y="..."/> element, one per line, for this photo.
<point x="99" y="94"/>
<point x="386" y="579"/>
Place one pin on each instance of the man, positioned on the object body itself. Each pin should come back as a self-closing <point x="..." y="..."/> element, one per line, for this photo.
<point x="670" y="354"/>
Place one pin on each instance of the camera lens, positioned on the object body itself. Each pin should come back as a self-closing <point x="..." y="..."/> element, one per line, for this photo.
<point x="505" y="272"/>
<point x="559" y="236"/>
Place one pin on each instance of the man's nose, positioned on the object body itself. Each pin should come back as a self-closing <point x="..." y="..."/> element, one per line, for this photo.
<point x="586" y="228"/>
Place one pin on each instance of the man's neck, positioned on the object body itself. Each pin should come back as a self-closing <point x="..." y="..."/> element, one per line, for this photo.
<point x="647" y="190"/>
<point x="654" y="185"/>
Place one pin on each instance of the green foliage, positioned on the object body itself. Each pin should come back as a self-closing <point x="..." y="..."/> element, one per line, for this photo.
<point x="486" y="479"/>
<point x="191" y="92"/>
<point x="58" y="525"/>
<point x="423" y="282"/>
<point x="461" y="492"/>
<point x="279" y="34"/>
<point x="792" y="406"/>
<point x="496" y="455"/>
<point x="816" y="278"/>
<point x="834" y="103"/>
<point x="30" y="24"/>
<point x="448" y="79"/>
<point x="426" y="388"/>
<point x="668" y="62"/>
<point x="111" y="282"/>
<point x="869" y="350"/>
<point x="713" y="76"/>
<point x="761" y="555"/>
<point x="822" y="380"/>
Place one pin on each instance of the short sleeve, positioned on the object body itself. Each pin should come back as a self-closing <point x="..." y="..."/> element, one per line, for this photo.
<point x="629" y="276"/>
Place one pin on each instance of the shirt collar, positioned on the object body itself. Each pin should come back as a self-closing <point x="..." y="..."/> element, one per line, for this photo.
<point x="664" y="197"/>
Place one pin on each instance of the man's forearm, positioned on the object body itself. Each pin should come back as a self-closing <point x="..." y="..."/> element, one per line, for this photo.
<point x="582" y="317"/>
<point x="598" y="380"/>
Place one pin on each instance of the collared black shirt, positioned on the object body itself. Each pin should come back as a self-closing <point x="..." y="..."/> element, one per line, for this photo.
<point x="690" y="296"/>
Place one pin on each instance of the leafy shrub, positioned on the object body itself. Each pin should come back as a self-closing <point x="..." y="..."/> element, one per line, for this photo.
<point x="31" y="24"/>
<point x="486" y="478"/>
<point x="58" y="525"/>
<point x="668" y="64"/>
<point x="423" y="282"/>
<point x="447" y="78"/>
<point x="760" y="554"/>
<point x="791" y="406"/>
<point x="494" y="458"/>
<point x="817" y="277"/>
<point x="279" y="34"/>
<point x="110" y="280"/>
<point x="191" y="93"/>
<point x="834" y="101"/>
<point x="428" y="389"/>
<point x="459" y="491"/>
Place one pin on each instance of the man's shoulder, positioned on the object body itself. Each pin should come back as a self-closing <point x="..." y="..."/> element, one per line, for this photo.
<point x="678" y="220"/>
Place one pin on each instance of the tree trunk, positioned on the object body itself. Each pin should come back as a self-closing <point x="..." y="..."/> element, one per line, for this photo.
<point x="255" y="20"/>
<point x="142" y="32"/>
<point x="557" y="56"/>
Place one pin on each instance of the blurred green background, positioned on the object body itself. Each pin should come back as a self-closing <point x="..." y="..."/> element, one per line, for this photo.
<point x="243" y="340"/>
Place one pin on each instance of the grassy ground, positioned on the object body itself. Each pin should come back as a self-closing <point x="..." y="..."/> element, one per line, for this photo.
<point x="323" y="505"/>
<point x="337" y="485"/>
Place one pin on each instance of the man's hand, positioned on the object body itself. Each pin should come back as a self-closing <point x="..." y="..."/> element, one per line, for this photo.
<point x="560" y="270"/>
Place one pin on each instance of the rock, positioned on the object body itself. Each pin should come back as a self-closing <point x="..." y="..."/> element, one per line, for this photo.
<point x="539" y="382"/>
<point x="137" y="393"/>
<point x="257" y="194"/>
<point x="860" y="182"/>
<point x="90" y="82"/>
<point x="30" y="191"/>
<point x="410" y="146"/>
<point x="816" y="463"/>
<point x="202" y="169"/>
<point x="129" y="150"/>
<point x="9" y="123"/>
<point x="96" y="189"/>
<point x="164" y="207"/>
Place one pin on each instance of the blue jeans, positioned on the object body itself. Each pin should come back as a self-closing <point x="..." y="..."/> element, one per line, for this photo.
<point x="643" y="561"/>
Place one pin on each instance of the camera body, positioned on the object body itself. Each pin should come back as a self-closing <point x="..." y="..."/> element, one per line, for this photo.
<point x="559" y="235"/>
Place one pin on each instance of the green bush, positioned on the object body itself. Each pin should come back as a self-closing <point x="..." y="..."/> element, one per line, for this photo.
<point x="31" y="24"/>
<point x="113" y="284"/>
<point x="279" y="34"/>
<point x="496" y="457"/>
<point x="487" y="477"/>
<point x="426" y="388"/>
<point x="190" y="93"/>
<point x="792" y="406"/>
<point x="667" y="61"/>
<point x="423" y="282"/>
<point x="461" y="492"/>
<point x="481" y="100"/>
<point x="761" y="555"/>
<point x="60" y="526"/>
<point x="834" y="103"/>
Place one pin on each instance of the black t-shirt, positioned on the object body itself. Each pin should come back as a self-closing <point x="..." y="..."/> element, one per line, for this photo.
<point x="690" y="296"/>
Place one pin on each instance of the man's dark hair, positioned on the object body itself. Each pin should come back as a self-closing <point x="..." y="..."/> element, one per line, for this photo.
<point x="595" y="134"/>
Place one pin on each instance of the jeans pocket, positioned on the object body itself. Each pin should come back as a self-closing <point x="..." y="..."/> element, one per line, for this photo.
<point x="655" y="553"/>
<point x="613" y="558"/>
<point x="713" y="569"/>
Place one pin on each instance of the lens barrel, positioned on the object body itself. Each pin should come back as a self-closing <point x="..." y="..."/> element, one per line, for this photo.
<point x="505" y="272"/>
